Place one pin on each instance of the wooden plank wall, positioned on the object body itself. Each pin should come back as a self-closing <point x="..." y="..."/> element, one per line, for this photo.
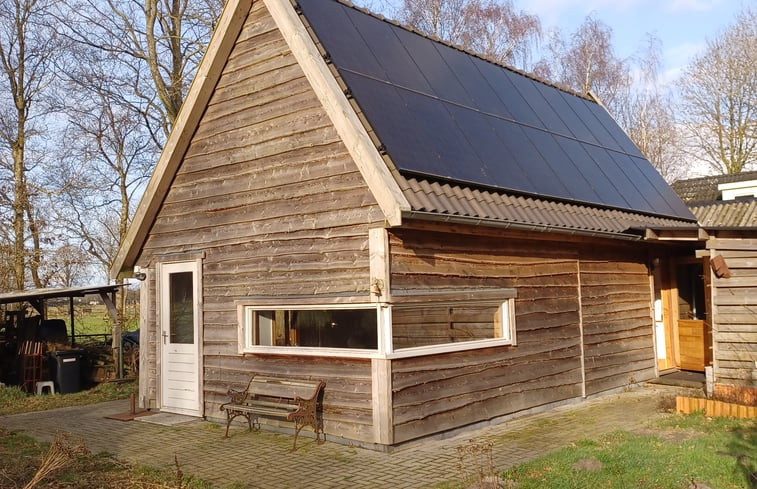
<point x="148" y="332"/>
<point x="347" y="410"/>
<point x="617" y="320"/>
<point x="439" y="392"/>
<point x="272" y="197"/>
<point x="421" y="326"/>
<point x="734" y="303"/>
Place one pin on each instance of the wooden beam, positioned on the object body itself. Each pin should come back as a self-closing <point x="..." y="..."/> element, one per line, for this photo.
<point x="381" y="383"/>
<point x="579" y="291"/>
<point x="110" y="305"/>
<point x="71" y="316"/>
<point x="372" y="166"/>
<point x="202" y="87"/>
<point x="378" y="246"/>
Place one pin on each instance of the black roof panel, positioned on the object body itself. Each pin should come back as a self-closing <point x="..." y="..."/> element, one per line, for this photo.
<point x="444" y="113"/>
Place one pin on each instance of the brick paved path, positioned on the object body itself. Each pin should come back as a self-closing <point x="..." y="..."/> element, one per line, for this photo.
<point x="262" y="460"/>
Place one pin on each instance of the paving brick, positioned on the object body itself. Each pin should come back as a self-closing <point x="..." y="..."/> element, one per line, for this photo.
<point x="262" y="460"/>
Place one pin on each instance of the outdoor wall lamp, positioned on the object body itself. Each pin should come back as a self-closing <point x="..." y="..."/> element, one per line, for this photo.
<point x="139" y="274"/>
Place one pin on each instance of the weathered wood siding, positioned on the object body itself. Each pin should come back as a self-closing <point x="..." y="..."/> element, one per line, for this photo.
<point x="440" y="392"/>
<point x="561" y="286"/>
<point x="734" y="313"/>
<point x="270" y="194"/>
<point x="347" y="408"/>
<point x="617" y="320"/>
<point x="148" y="353"/>
<point x="434" y="325"/>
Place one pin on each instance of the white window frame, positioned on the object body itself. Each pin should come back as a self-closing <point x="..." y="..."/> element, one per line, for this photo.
<point x="508" y="338"/>
<point x="504" y="298"/>
<point x="247" y="345"/>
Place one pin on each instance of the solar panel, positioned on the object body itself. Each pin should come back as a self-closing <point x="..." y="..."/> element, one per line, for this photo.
<point x="443" y="113"/>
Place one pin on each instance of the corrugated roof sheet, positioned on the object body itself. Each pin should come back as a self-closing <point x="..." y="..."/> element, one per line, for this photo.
<point x="455" y="200"/>
<point x="23" y="295"/>
<point x="734" y="213"/>
<point x="705" y="189"/>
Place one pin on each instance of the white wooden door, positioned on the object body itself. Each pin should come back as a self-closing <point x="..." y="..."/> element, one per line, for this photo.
<point x="180" y="343"/>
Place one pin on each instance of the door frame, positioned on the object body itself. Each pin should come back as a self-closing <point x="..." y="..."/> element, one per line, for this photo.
<point x="163" y="268"/>
<point x="670" y="312"/>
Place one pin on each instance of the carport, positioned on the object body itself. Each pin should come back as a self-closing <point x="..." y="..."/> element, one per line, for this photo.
<point x="13" y="321"/>
<point x="21" y="331"/>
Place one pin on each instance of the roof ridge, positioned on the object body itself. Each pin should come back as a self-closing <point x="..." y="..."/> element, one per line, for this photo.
<point x="469" y="52"/>
<point x="714" y="177"/>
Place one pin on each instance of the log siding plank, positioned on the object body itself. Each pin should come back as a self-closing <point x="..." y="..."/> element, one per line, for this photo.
<point x="279" y="207"/>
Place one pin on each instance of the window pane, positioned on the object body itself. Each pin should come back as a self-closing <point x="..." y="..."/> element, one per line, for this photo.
<point x="430" y="324"/>
<point x="326" y="328"/>
<point x="182" y="308"/>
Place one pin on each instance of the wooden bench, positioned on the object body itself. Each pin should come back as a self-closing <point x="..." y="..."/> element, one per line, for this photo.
<point x="291" y="399"/>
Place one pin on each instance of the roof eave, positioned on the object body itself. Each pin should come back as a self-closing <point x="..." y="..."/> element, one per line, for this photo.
<point x="519" y="226"/>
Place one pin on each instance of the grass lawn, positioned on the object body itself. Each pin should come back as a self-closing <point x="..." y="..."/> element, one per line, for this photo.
<point x="678" y="452"/>
<point x="21" y="456"/>
<point x="15" y="401"/>
<point x="93" y="320"/>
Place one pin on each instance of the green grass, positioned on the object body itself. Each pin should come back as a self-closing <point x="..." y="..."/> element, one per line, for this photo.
<point x="21" y="456"/>
<point x="680" y="449"/>
<point x="92" y="320"/>
<point x="15" y="401"/>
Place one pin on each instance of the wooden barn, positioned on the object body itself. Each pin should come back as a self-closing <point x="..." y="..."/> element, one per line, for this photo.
<point x="726" y="209"/>
<point x="444" y="241"/>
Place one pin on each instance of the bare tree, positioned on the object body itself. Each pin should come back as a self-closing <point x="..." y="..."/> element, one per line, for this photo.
<point x="719" y="98"/>
<point x="27" y="48"/>
<point x="68" y="266"/>
<point x="491" y="28"/>
<point x="156" y="46"/>
<point x="587" y="62"/>
<point x="647" y="114"/>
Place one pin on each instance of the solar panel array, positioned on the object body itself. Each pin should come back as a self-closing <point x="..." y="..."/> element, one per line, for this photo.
<point x="443" y="113"/>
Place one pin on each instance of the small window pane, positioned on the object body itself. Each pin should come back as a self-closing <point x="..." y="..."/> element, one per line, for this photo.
<point x="431" y="324"/>
<point x="181" y="293"/>
<point x="324" y="328"/>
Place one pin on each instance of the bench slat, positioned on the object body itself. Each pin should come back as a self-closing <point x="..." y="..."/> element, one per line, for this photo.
<point x="292" y="399"/>
<point x="281" y="405"/>
<point x="278" y="388"/>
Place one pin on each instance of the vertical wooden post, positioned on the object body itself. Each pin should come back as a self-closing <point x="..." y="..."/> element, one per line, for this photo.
<point x="383" y="418"/>
<point x="380" y="285"/>
<point x="581" y="325"/>
<point x="71" y="318"/>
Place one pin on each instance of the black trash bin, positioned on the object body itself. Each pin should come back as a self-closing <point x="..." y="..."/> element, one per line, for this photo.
<point x="65" y="370"/>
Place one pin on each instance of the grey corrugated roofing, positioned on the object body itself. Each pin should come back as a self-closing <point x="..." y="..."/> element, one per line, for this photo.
<point x="705" y="189"/>
<point x="24" y="295"/>
<point x="734" y="213"/>
<point x="445" y="114"/>
<point x="458" y="201"/>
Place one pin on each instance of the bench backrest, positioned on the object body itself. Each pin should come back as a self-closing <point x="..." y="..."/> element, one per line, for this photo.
<point x="284" y="388"/>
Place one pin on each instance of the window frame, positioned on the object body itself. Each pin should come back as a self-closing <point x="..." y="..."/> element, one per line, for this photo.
<point x="503" y="298"/>
<point x="508" y="330"/>
<point x="246" y="345"/>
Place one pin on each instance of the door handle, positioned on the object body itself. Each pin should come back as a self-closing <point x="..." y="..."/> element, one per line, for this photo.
<point x="165" y="337"/>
